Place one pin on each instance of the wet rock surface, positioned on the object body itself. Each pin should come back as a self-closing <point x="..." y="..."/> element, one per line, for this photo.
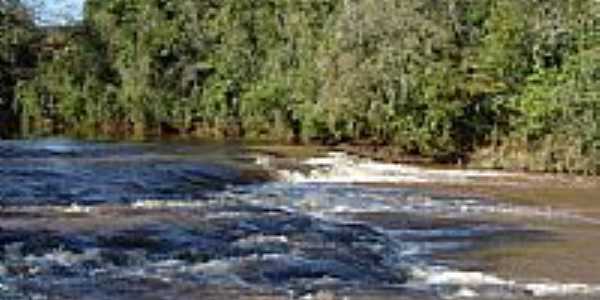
<point x="116" y="221"/>
<point x="262" y="248"/>
<point x="209" y="245"/>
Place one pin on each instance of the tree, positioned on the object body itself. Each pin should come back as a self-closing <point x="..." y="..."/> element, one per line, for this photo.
<point x="17" y="39"/>
<point x="434" y="78"/>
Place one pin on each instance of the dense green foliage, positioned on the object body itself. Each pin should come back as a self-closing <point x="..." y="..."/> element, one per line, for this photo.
<point x="514" y="82"/>
<point x="17" y="57"/>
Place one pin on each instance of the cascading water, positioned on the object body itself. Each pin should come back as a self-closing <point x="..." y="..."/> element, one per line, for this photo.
<point x="121" y="221"/>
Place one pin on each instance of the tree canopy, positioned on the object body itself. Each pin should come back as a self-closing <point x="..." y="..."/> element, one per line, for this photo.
<point x="508" y="83"/>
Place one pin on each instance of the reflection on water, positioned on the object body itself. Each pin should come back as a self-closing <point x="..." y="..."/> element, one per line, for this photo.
<point x="182" y="222"/>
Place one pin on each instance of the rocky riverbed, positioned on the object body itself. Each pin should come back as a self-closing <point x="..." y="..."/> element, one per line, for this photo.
<point x="82" y="220"/>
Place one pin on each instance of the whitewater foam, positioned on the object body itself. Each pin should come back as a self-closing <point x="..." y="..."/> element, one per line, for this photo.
<point x="320" y="187"/>
<point x="262" y="239"/>
<point x="339" y="167"/>
<point x="471" y="284"/>
<point x="161" y="204"/>
<point x="561" y="289"/>
<point x="75" y="208"/>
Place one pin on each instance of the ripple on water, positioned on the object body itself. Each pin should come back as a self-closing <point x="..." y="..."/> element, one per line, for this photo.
<point x="146" y="224"/>
<point x="64" y="171"/>
<point x="277" y="250"/>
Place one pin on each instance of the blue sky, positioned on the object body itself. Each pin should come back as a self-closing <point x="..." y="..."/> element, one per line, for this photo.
<point x="58" y="11"/>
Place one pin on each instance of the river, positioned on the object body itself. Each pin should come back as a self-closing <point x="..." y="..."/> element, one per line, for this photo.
<point x="174" y="220"/>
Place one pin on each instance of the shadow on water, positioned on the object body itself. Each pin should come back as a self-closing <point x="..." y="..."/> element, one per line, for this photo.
<point x="63" y="171"/>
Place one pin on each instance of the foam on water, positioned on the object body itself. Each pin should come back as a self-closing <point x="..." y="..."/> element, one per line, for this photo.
<point x="561" y="289"/>
<point x="331" y="199"/>
<point x="327" y="189"/>
<point x="342" y="168"/>
<point x="469" y="284"/>
<point x="314" y="229"/>
<point x="75" y="208"/>
<point x="328" y="203"/>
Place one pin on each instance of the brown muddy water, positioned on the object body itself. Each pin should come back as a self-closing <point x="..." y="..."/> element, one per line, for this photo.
<point x="83" y="220"/>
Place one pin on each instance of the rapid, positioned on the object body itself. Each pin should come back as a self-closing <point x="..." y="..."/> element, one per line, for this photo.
<point x="91" y="220"/>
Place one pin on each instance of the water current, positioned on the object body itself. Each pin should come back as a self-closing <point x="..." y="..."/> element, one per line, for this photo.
<point x="83" y="220"/>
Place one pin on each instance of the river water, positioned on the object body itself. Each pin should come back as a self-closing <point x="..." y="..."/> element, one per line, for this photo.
<point x="83" y="220"/>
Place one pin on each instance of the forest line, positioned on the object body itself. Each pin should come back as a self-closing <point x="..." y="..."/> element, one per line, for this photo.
<point x="502" y="83"/>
